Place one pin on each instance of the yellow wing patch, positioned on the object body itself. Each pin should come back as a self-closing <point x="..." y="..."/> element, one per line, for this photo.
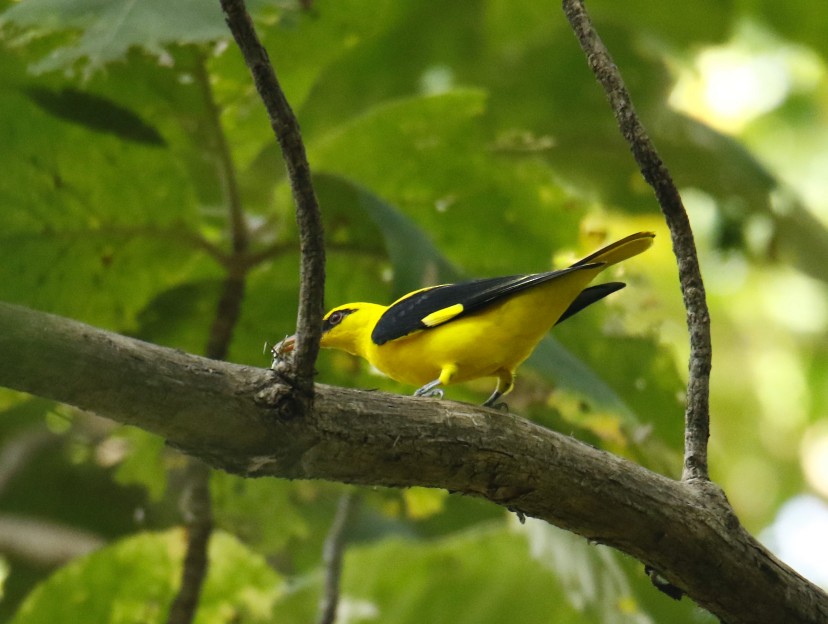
<point x="441" y="316"/>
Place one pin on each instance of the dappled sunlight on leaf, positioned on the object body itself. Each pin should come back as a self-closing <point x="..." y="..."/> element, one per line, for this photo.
<point x="135" y="579"/>
<point x="421" y="503"/>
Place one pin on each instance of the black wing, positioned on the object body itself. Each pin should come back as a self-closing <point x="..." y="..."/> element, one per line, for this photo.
<point x="588" y="296"/>
<point x="431" y="307"/>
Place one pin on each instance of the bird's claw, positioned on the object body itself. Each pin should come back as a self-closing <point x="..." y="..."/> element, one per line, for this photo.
<point x="431" y="393"/>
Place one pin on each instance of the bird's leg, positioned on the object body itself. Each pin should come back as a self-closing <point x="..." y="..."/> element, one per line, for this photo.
<point x="505" y="382"/>
<point x="490" y="402"/>
<point x="430" y="390"/>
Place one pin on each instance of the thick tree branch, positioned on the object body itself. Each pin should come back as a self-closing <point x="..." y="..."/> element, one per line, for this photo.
<point x="311" y="240"/>
<point x="241" y="419"/>
<point x="697" y="414"/>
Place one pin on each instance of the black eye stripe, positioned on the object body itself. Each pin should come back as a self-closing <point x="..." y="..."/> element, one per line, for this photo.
<point x="334" y="319"/>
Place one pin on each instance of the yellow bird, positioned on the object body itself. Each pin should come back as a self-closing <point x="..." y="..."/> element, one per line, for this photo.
<point x="453" y="333"/>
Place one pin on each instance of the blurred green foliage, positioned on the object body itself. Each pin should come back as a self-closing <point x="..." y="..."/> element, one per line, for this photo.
<point x="448" y="140"/>
<point x="134" y="580"/>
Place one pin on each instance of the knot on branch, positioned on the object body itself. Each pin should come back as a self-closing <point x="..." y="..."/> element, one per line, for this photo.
<point x="284" y="395"/>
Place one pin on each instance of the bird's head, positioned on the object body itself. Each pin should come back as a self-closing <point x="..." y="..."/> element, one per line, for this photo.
<point x="347" y="327"/>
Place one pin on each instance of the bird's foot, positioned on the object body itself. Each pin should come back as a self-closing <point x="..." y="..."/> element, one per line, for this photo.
<point x="430" y="390"/>
<point x="492" y="402"/>
<point x="431" y="393"/>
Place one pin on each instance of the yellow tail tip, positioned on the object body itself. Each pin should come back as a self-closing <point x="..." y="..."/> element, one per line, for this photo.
<point x="621" y="250"/>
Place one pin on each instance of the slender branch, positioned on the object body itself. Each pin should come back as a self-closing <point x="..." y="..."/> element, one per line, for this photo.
<point x="227" y="315"/>
<point x="311" y="241"/>
<point x="697" y="414"/>
<point x="197" y="510"/>
<point x="332" y="558"/>
<point x="243" y="420"/>
<point x="196" y="503"/>
<point x="237" y="265"/>
<point x="227" y="169"/>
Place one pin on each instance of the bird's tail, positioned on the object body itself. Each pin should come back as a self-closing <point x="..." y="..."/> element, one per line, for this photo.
<point x="620" y="250"/>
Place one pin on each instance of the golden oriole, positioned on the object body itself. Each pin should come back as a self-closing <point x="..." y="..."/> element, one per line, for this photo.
<point x="452" y="333"/>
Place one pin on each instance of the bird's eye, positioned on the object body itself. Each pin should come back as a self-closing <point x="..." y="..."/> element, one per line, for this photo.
<point x="336" y="317"/>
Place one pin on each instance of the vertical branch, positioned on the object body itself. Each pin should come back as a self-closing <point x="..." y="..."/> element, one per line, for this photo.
<point x="227" y="314"/>
<point x="311" y="242"/>
<point x="238" y="226"/>
<point x="196" y="507"/>
<point x="199" y="512"/>
<point x="332" y="558"/>
<point x="697" y="414"/>
<point x="196" y="503"/>
<point x="229" y="306"/>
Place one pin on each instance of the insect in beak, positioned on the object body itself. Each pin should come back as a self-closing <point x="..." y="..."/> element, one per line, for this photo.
<point x="282" y="349"/>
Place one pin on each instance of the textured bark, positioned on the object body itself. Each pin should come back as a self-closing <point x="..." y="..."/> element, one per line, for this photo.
<point x="308" y="217"/>
<point x="697" y="413"/>
<point x="244" y="420"/>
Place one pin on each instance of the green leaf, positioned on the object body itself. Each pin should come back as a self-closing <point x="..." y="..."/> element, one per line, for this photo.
<point x="590" y="575"/>
<point x="797" y="20"/>
<point x="343" y="26"/>
<point x="428" y="156"/>
<point x="705" y="21"/>
<point x="240" y="585"/>
<point x="558" y="364"/>
<point x="480" y="576"/>
<point x="415" y="260"/>
<point x="602" y="583"/>
<point x="135" y="580"/>
<point x="144" y="463"/>
<point x="262" y="512"/>
<point x="97" y="213"/>
<point x="107" y="30"/>
<point x="131" y="581"/>
<point x="422" y="503"/>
